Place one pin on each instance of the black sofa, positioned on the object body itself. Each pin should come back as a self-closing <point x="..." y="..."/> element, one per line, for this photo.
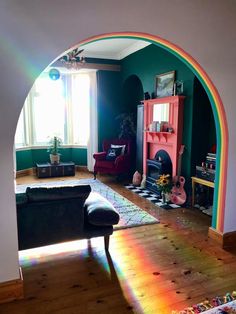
<point x="52" y="215"/>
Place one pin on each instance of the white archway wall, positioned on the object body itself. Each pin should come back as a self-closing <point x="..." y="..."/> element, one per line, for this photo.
<point x="33" y="34"/>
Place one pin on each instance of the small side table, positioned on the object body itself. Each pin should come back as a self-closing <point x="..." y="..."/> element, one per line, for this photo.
<point x="200" y="181"/>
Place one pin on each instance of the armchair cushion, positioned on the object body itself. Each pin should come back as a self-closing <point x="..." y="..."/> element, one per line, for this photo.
<point x="113" y="153"/>
<point x="100" y="212"/>
<point x="119" y="146"/>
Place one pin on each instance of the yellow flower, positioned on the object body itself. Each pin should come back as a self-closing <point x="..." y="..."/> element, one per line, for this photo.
<point x="163" y="180"/>
<point x="164" y="183"/>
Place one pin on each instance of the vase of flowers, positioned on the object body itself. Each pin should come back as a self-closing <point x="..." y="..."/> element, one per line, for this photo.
<point x="164" y="185"/>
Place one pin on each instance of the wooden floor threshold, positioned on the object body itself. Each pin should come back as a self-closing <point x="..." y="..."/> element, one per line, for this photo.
<point x="12" y="290"/>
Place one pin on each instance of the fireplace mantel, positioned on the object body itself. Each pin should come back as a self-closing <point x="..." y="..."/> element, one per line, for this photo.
<point x="169" y="138"/>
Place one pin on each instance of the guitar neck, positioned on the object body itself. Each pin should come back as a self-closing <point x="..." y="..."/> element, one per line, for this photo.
<point x="179" y="166"/>
<point x="180" y="161"/>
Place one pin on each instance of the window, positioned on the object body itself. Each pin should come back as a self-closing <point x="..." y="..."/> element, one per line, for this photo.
<point x="48" y="110"/>
<point x="59" y="108"/>
<point x="20" y="139"/>
<point x="80" y="108"/>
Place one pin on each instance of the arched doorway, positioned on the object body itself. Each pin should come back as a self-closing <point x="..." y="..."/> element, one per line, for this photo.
<point x="132" y="94"/>
<point x="217" y="107"/>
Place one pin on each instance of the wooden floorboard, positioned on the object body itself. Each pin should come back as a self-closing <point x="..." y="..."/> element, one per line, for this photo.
<point x="150" y="269"/>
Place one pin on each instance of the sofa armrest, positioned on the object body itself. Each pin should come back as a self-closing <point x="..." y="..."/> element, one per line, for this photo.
<point x="21" y="199"/>
<point x="100" y="156"/>
<point x="99" y="211"/>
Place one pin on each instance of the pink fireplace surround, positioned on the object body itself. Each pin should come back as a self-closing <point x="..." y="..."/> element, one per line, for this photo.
<point x="170" y="137"/>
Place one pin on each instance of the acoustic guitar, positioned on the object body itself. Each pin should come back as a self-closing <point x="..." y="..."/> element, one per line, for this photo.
<point x="178" y="194"/>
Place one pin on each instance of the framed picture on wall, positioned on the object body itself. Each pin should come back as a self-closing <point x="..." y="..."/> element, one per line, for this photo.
<point x="165" y="84"/>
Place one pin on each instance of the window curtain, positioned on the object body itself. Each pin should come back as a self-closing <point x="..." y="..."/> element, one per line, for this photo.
<point x="93" y="134"/>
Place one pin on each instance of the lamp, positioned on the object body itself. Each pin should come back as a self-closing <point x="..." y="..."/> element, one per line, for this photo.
<point x="54" y="74"/>
<point x="72" y="60"/>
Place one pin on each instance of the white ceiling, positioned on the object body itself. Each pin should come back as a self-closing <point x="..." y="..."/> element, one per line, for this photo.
<point x="117" y="48"/>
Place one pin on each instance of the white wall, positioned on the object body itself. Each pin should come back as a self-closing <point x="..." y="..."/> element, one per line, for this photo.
<point x="34" y="33"/>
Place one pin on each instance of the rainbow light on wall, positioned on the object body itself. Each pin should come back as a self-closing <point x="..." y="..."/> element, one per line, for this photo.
<point x="218" y="112"/>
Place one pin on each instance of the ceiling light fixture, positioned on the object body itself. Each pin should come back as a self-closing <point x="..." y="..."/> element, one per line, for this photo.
<point x="72" y="60"/>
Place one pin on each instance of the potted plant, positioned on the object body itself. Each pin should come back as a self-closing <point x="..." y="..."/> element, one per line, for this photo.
<point x="53" y="149"/>
<point x="127" y="127"/>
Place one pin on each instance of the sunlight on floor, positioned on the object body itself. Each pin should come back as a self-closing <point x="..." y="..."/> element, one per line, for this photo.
<point x="57" y="251"/>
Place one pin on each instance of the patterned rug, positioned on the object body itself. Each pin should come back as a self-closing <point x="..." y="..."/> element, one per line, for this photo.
<point x="228" y="308"/>
<point x="150" y="196"/>
<point x="218" y="305"/>
<point x="130" y="214"/>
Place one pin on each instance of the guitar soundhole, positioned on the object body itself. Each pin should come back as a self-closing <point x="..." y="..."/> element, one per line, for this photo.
<point x="177" y="184"/>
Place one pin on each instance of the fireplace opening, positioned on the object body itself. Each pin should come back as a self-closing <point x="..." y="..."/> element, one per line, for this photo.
<point x="161" y="164"/>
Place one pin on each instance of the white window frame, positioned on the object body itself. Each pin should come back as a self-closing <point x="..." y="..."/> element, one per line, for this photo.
<point x="29" y="132"/>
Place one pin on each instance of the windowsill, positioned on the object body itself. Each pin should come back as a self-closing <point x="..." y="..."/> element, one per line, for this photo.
<point x="46" y="147"/>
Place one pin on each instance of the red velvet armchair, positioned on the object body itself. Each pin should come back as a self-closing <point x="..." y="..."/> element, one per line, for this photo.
<point x="120" y="165"/>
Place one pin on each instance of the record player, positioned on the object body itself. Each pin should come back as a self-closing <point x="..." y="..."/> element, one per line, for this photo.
<point x="207" y="170"/>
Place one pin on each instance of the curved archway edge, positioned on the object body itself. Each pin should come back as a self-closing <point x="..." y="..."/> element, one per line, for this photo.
<point x="218" y="112"/>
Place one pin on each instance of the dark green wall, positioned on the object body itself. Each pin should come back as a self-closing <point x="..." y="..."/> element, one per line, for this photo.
<point x="26" y="159"/>
<point x="132" y="93"/>
<point x="204" y="132"/>
<point x="109" y="104"/>
<point x="79" y="156"/>
<point x="151" y="61"/>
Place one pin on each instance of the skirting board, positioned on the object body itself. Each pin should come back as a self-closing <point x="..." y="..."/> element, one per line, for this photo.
<point x="226" y="240"/>
<point x="25" y="172"/>
<point x="12" y="290"/>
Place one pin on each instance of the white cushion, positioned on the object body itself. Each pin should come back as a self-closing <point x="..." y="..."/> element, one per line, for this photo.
<point x="119" y="146"/>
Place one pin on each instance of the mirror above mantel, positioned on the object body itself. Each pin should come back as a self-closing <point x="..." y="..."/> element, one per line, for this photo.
<point x="161" y="112"/>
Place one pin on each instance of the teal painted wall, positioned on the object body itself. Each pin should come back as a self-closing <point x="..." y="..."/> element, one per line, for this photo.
<point x="26" y="159"/>
<point x="132" y="93"/>
<point x="40" y="156"/>
<point x="204" y="131"/>
<point x="79" y="156"/>
<point x="151" y="61"/>
<point x="109" y="104"/>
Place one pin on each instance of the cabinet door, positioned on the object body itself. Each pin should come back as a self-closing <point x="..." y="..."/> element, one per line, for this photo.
<point x="56" y="170"/>
<point x="139" y="139"/>
<point x="69" y="170"/>
<point x="43" y="172"/>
